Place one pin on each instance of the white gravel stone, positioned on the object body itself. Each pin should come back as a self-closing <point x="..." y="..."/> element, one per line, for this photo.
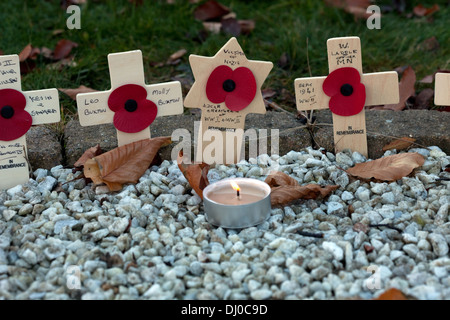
<point x="335" y="208"/>
<point x="119" y="226"/>
<point x="152" y="241"/>
<point x="440" y="246"/>
<point x="261" y="294"/>
<point x="347" y="196"/>
<point x="334" y="249"/>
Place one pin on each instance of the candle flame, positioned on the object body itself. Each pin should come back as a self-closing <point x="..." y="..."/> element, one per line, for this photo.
<point x="235" y="186"/>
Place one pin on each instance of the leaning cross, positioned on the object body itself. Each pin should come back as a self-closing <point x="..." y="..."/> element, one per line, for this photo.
<point x="41" y="105"/>
<point x="380" y="88"/>
<point x="442" y="89"/>
<point x="227" y="88"/>
<point x="126" y="68"/>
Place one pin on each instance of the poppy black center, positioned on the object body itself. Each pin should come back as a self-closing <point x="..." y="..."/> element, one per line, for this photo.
<point x="131" y="105"/>
<point x="7" y="112"/>
<point x="346" y="90"/>
<point x="229" y="85"/>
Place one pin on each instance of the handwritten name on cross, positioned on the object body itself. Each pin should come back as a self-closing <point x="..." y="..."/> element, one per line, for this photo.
<point x="227" y="88"/>
<point x="130" y="104"/>
<point x="18" y="111"/>
<point x="442" y="89"/>
<point x="344" y="86"/>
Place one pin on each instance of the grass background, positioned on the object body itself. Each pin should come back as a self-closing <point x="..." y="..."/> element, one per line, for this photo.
<point x="159" y="29"/>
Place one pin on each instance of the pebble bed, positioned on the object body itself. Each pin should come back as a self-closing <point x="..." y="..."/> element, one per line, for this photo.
<point x="151" y="240"/>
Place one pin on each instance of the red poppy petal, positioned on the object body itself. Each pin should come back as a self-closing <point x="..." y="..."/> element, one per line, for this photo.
<point x="214" y="87"/>
<point x="350" y="105"/>
<point x="15" y="127"/>
<point x="132" y="122"/>
<point x="122" y="94"/>
<point x="245" y="90"/>
<point x="336" y="79"/>
<point x="13" y="98"/>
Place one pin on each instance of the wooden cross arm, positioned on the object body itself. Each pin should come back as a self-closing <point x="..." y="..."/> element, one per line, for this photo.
<point x="43" y="106"/>
<point x="442" y="89"/>
<point x="93" y="108"/>
<point x="309" y="94"/>
<point x="381" y="88"/>
<point x="167" y="96"/>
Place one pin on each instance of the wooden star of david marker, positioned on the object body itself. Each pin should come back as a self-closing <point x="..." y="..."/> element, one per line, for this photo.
<point x="442" y="89"/>
<point x="42" y="105"/>
<point x="127" y="68"/>
<point x="381" y="88"/>
<point x="222" y="128"/>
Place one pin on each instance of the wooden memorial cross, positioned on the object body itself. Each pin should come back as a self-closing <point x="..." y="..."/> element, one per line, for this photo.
<point x="130" y="104"/>
<point x="18" y="111"/>
<point x="442" y="89"/>
<point x="227" y="87"/>
<point x="343" y="93"/>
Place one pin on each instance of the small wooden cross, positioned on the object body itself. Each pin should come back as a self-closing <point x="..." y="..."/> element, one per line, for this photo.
<point x="227" y="87"/>
<point x="380" y="88"/>
<point x="41" y="105"/>
<point x="126" y="68"/>
<point x="442" y="89"/>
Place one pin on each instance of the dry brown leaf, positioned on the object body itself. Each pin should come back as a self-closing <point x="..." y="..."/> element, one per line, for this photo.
<point x="356" y="7"/>
<point x="87" y="155"/>
<point x="399" y="144"/>
<point x="424" y="99"/>
<point x="389" y="168"/>
<point x="427" y="79"/>
<point x="231" y="26"/>
<point x="422" y="11"/>
<point x="392" y="294"/>
<point x="210" y="10"/>
<point x="406" y="89"/>
<point x="196" y="174"/>
<point x="213" y="27"/>
<point x="25" y="53"/>
<point x="73" y="92"/>
<point x="286" y="189"/>
<point x="175" y="57"/>
<point x="125" y="164"/>
<point x="247" y="26"/>
<point x="63" y="48"/>
<point x="280" y="179"/>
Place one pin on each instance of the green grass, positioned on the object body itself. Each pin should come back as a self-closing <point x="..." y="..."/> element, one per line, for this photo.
<point x="159" y="29"/>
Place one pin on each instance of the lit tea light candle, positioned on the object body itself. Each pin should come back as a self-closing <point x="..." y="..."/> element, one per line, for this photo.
<point x="237" y="203"/>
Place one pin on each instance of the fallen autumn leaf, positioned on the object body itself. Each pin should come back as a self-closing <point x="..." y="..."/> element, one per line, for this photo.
<point x="389" y="168"/>
<point x="286" y="189"/>
<point x="125" y="164"/>
<point x="399" y="144"/>
<point x="73" y="92"/>
<point x="87" y="155"/>
<point x="196" y="174"/>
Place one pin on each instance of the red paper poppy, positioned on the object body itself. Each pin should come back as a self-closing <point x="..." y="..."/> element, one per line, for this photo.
<point x="237" y="88"/>
<point x="133" y="112"/>
<point x="14" y="120"/>
<point x="348" y="94"/>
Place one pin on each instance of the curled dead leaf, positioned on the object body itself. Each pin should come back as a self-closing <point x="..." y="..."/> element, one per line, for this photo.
<point x="210" y="10"/>
<point x="73" y="92"/>
<point x="422" y="11"/>
<point x="195" y="173"/>
<point x="63" y="49"/>
<point x="286" y="189"/>
<point x="125" y="164"/>
<point x="399" y="144"/>
<point x="392" y="294"/>
<point x="389" y="168"/>
<point x="87" y="155"/>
